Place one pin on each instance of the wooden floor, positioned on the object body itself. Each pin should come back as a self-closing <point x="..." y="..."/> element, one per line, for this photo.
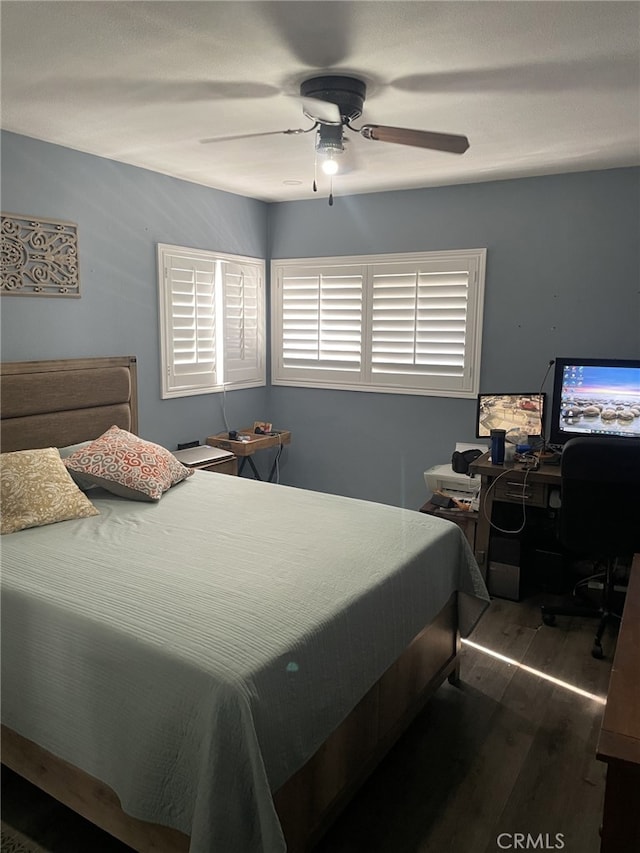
<point x="504" y="752"/>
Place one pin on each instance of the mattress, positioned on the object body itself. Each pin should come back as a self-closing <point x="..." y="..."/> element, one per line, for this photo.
<point x="194" y="653"/>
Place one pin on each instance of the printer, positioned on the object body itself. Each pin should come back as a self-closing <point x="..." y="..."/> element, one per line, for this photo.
<point x="460" y="487"/>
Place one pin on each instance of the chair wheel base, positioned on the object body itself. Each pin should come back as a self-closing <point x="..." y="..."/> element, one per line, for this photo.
<point x="597" y="651"/>
<point x="549" y="619"/>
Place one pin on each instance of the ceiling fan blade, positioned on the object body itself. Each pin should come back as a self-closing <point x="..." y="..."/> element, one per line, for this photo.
<point x="314" y="37"/>
<point x="418" y="138"/>
<point x="140" y="90"/>
<point x="322" y="111"/>
<point x="289" y="132"/>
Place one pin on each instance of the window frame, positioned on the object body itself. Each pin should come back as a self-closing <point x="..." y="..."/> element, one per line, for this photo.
<point x="467" y="387"/>
<point x="255" y="374"/>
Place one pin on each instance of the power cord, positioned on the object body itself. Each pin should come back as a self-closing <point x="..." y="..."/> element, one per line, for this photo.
<point x="224" y="408"/>
<point x="492" y="524"/>
<point x="277" y="459"/>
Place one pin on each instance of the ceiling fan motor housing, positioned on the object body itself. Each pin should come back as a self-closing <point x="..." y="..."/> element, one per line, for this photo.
<point x="348" y="93"/>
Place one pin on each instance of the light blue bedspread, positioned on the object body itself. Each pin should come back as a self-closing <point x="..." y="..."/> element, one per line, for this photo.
<point x="193" y="654"/>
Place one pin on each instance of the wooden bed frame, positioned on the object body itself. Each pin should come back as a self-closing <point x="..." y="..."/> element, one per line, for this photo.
<point x="57" y="403"/>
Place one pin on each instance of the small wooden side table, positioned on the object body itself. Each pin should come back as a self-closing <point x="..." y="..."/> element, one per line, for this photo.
<point x="466" y="519"/>
<point x="244" y="450"/>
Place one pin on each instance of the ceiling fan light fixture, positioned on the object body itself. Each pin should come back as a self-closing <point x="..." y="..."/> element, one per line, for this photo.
<point x="330" y="165"/>
<point x="329" y="144"/>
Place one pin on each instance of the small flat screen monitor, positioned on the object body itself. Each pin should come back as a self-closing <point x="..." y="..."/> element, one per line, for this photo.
<point x="517" y="414"/>
<point x="595" y="397"/>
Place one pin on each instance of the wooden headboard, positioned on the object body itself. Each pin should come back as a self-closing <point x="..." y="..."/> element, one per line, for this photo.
<point x="56" y="403"/>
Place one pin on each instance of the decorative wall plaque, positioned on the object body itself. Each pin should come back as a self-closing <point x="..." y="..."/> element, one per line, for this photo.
<point x="38" y="257"/>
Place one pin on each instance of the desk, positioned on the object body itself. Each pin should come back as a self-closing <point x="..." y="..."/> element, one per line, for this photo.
<point x="516" y="485"/>
<point x="244" y="450"/>
<point x="619" y="742"/>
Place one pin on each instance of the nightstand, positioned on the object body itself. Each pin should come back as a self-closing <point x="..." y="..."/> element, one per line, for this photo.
<point x="253" y="443"/>
<point x="206" y="458"/>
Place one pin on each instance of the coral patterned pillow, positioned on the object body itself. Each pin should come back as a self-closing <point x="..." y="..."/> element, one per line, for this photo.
<point x="126" y="465"/>
<point x="35" y="489"/>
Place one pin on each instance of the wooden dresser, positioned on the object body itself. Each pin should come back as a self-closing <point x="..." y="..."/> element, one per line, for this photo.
<point x="619" y="743"/>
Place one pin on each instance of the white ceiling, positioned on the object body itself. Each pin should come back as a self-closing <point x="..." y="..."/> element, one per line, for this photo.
<point x="538" y="87"/>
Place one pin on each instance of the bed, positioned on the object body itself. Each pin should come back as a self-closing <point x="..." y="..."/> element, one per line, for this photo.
<point x="219" y="669"/>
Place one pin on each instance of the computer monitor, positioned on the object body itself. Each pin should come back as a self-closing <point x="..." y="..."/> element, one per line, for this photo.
<point x="595" y="397"/>
<point x="518" y="414"/>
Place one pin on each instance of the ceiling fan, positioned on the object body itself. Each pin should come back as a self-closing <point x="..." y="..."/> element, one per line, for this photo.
<point x="332" y="102"/>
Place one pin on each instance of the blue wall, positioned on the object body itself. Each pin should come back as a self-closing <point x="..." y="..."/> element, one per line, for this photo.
<point x="562" y="278"/>
<point x="563" y="274"/>
<point x="122" y="212"/>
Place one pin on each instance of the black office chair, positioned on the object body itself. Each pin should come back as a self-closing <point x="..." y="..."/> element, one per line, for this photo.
<point x="599" y="517"/>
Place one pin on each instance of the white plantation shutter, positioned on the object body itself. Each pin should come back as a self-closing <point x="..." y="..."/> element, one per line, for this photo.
<point x="211" y="321"/>
<point x="243" y="320"/>
<point x="321" y="315"/>
<point x="190" y="295"/>
<point x="419" y="325"/>
<point x="394" y="323"/>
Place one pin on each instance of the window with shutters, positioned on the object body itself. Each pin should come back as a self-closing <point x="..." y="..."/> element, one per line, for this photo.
<point x="211" y="321"/>
<point x="409" y="323"/>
